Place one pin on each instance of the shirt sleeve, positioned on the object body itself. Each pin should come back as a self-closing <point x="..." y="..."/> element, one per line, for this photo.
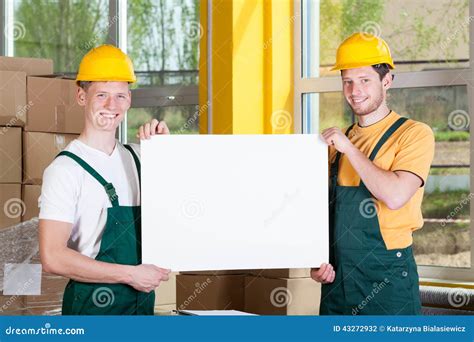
<point x="59" y="194"/>
<point x="416" y="151"/>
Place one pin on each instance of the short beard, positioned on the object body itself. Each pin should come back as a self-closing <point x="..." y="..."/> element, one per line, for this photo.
<point x="372" y="108"/>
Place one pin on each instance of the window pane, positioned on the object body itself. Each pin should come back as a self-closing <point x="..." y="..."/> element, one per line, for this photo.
<point x="422" y="34"/>
<point x="180" y="119"/>
<point x="445" y="237"/>
<point x="163" y="41"/>
<point x="62" y="30"/>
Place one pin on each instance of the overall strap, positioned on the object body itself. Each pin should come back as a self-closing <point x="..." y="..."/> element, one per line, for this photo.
<point x="335" y="171"/>
<point x="384" y="139"/>
<point x="137" y="163"/>
<point x="386" y="136"/>
<point x="335" y="165"/>
<point x="109" y="188"/>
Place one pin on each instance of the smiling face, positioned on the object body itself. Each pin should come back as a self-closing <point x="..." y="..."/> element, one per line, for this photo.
<point x="105" y="104"/>
<point x="363" y="89"/>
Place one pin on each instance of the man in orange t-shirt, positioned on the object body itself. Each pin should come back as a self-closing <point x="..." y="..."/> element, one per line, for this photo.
<point x="378" y="169"/>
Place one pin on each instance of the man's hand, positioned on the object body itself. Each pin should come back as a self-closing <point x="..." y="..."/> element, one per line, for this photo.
<point x="146" y="278"/>
<point x="325" y="274"/>
<point x="151" y="128"/>
<point x="334" y="136"/>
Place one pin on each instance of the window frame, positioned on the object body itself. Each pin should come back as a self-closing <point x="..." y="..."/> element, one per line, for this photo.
<point x="434" y="78"/>
<point x="170" y="95"/>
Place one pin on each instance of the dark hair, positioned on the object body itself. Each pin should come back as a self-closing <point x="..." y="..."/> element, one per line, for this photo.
<point x="382" y="70"/>
<point x="84" y="84"/>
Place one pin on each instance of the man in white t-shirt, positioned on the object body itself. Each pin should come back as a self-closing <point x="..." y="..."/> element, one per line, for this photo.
<point x="90" y="228"/>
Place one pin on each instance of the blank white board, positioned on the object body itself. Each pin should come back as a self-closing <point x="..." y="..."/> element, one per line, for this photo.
<point x="229" y="202"/>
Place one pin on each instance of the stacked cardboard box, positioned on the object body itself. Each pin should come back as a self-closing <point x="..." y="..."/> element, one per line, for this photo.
<point x="165" y="296"/>
<point x="282" y="292"/>
<point x="223" y="290"/>
<point x="50" y="301"/>
<point x="263" y="292"/>
<point x="39" y="116"/>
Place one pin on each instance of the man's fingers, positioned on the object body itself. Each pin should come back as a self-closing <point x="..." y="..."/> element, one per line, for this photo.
<point x="141" y="133"/>
<point x="326" y="273"/>
<point x="166" y="130"/>
<point x="319" y="274"/>
<point x="331" y="277"/>
<point x="154" y="125"/>
<point x="147" y="130"/>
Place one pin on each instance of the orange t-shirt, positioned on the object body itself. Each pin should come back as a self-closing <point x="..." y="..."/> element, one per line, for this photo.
<point x="410" y="148"/>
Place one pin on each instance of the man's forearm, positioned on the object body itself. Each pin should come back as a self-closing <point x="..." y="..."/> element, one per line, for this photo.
<point x="74" y="265"/>
<point x="383" y="185"/>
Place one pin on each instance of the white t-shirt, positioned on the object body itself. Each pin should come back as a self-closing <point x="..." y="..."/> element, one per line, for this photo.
<point x="70" y="194"/>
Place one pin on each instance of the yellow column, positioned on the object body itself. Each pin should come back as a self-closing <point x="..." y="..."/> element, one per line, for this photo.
<point x="252" y="66"/>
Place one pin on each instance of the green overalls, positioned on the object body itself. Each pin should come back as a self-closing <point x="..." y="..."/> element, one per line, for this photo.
<point x="370" y="280"/>
<point x="120" y="244"/>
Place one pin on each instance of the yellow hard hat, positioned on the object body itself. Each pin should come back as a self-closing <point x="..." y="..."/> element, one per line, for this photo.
<point x="106" y="63"/>
<point x="362" y="49"/>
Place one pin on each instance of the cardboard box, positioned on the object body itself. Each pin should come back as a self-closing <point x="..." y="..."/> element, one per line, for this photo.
<point x="10" y="155"/>
<point x="12" y="305"/>
<point x="265" y="296"/>
<point x="11" y="205"/>
<point x="29" y="195"/>
<point x="47" y="310"/>
<point x="53" y="107"/>
<point x="165" y="310"/>
<point x="30" y="66"/>
<point x="49" y="303"/>
<point x="203" y="292"/>
<point x="166" y="292"/>
<point x="216" y="273"/>
<point x="283" y="273"/>
<point x="13" y="105"/>
<point x="39" y="150"/>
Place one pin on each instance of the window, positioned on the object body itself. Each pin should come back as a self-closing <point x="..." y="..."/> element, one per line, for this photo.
<point x="61" y="30"/>
<point x="161" y="37"/>
<point x="431" y="52"/>
<point x="165" y="56"/>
